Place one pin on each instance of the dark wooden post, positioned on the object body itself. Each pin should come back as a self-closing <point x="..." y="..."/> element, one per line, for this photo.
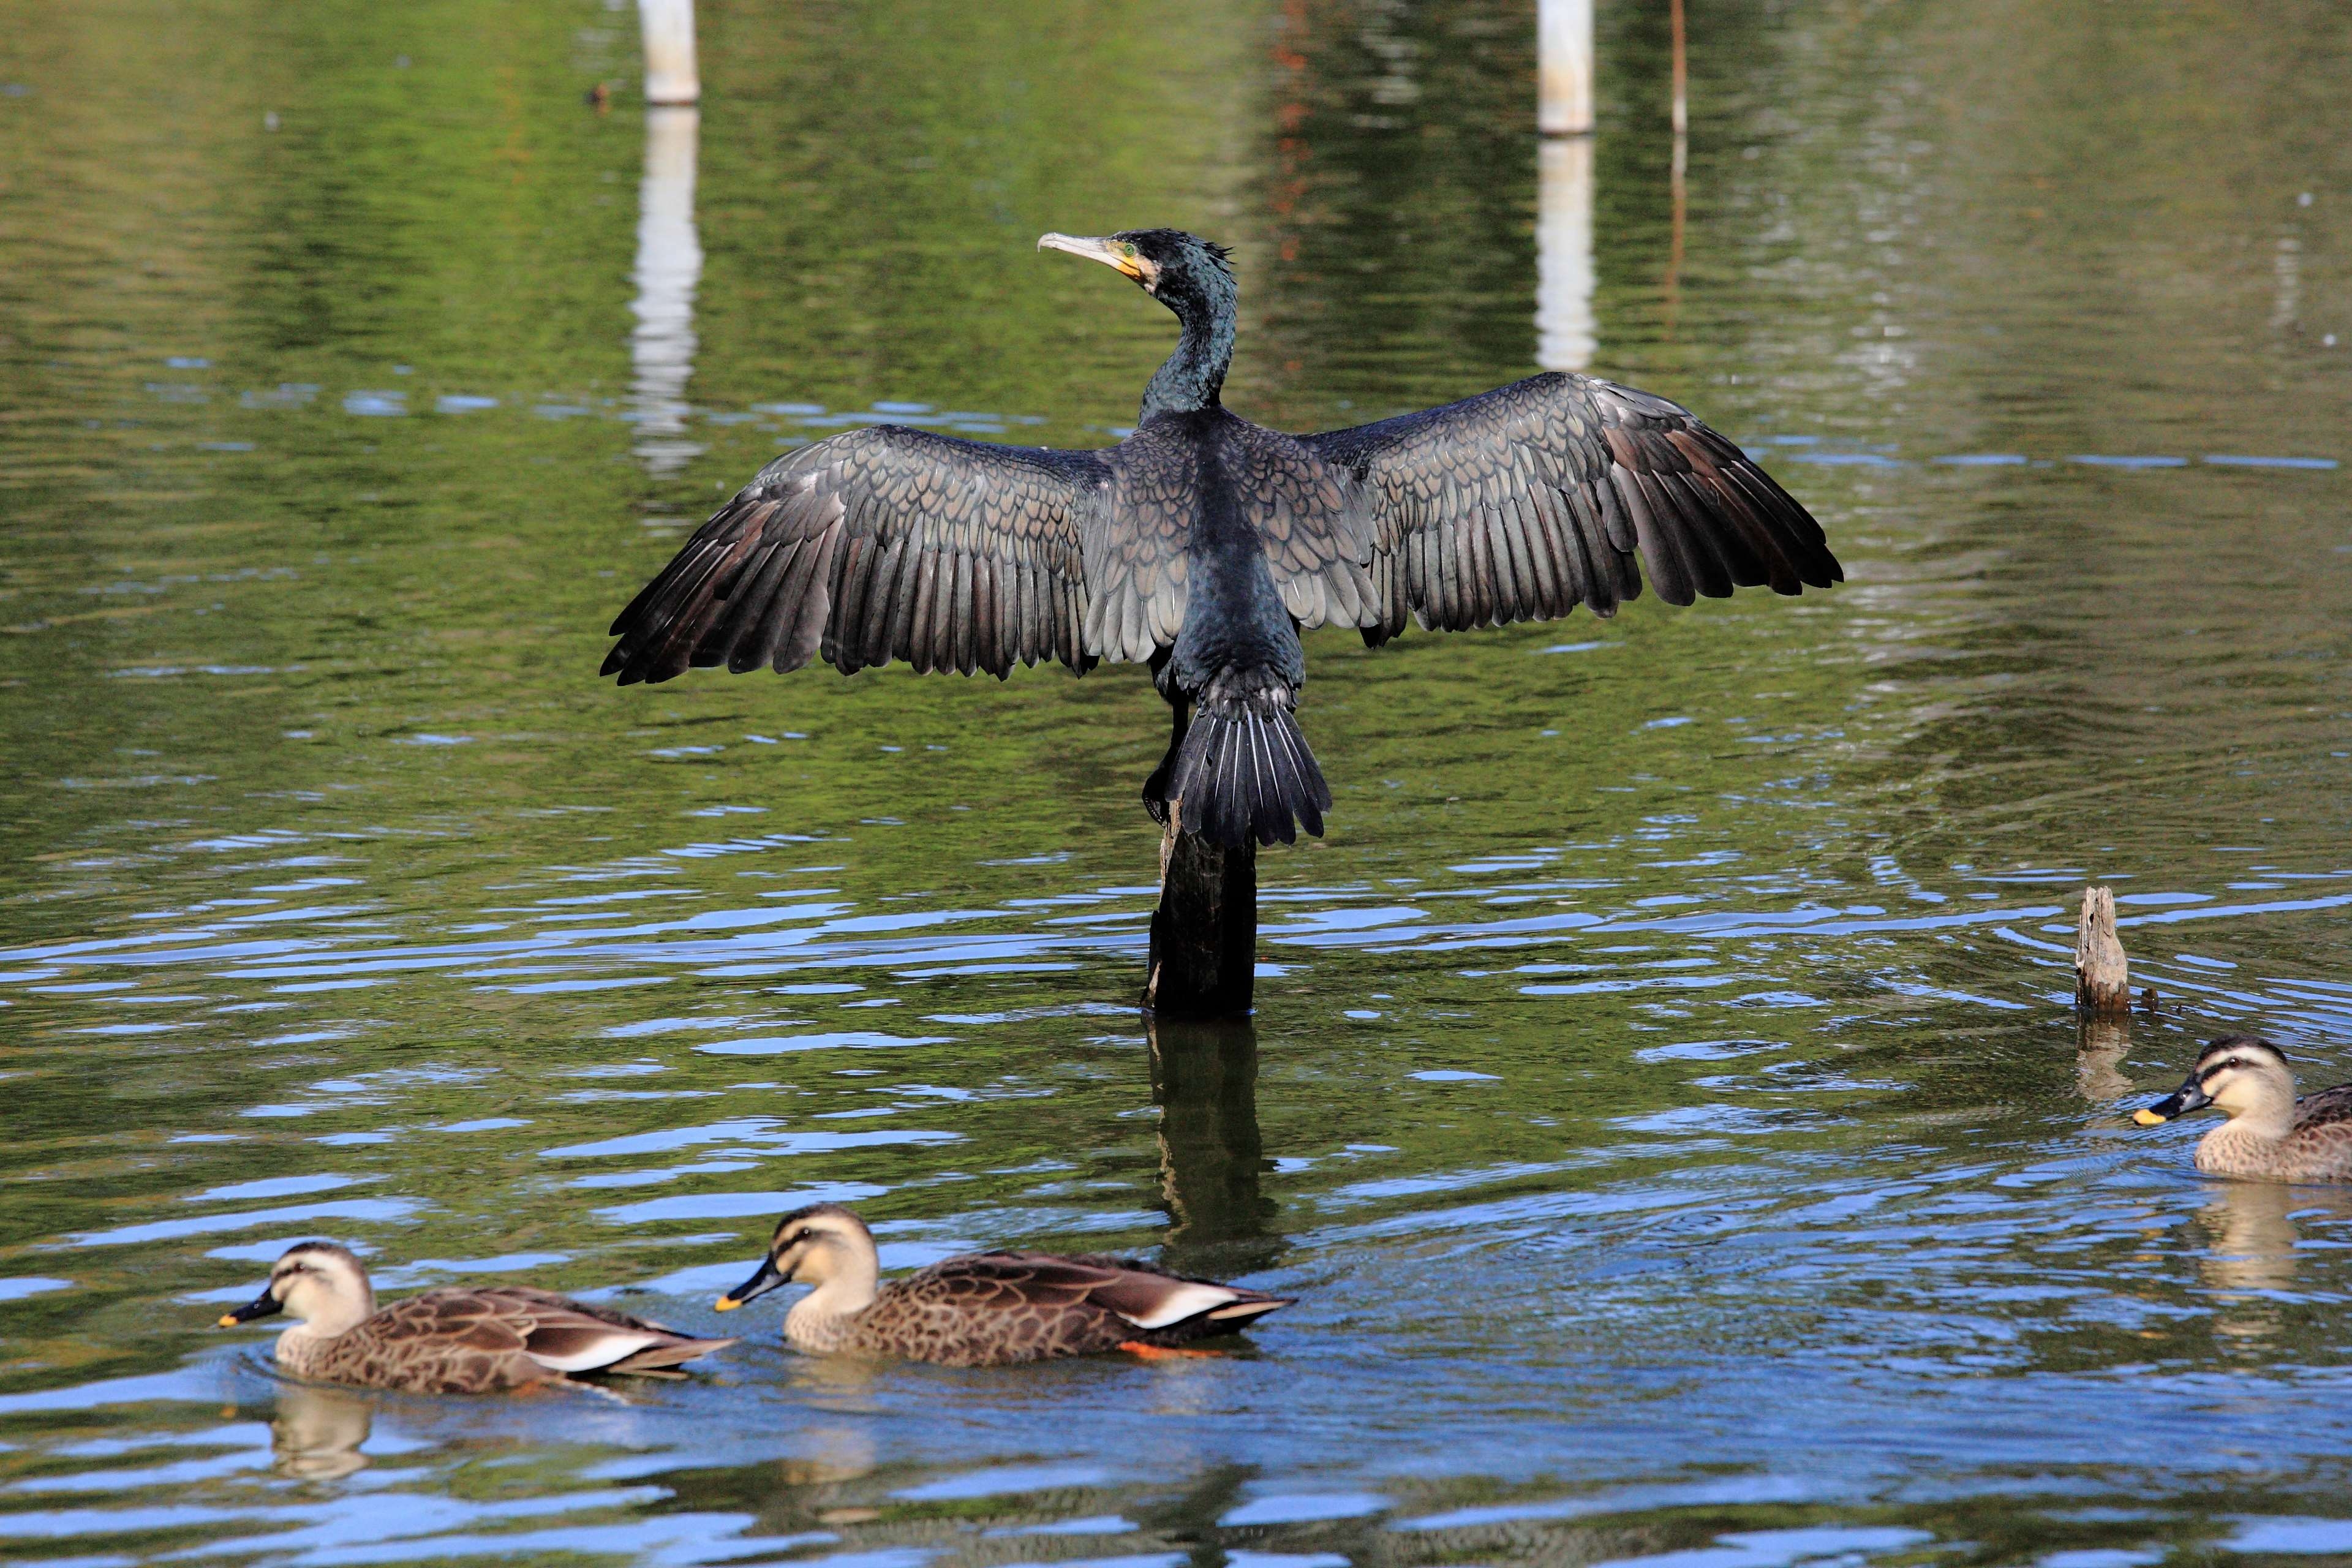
<point x="2102" y="977"/>
<point x="1203" y="961"/>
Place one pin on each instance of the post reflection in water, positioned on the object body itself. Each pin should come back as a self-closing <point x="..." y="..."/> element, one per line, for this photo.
<point x="670" y="266"/>
<point x="316" y="1432"/>
<point x="1679" y="192"/>
<point x="1565" y="336"/>
<point x="1212" y="1158"/>
<point x="2100" y="1046"/>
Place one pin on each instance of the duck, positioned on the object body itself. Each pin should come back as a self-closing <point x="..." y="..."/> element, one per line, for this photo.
<point x="491" y="1339"/>
<point x="984" y="1308"/>
<point x="2270" y="1134"/>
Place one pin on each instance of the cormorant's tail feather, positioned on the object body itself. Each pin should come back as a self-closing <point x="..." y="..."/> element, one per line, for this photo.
<point x="1244" y="772"/>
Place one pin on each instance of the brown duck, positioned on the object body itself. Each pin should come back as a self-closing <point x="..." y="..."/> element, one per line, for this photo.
<point x="988" y="1308"/>
<point x="490" y="1340"/>
<point x="2267" y="1134"/>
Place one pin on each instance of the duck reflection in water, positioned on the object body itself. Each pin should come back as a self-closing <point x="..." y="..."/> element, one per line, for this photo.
<point x="2249" y="1263"/>
<point x="316" y="1432"/>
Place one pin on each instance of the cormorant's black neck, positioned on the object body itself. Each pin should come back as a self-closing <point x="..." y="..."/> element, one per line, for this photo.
<point x="1204" y="302"/>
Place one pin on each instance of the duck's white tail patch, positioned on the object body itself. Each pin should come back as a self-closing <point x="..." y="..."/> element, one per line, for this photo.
<point x="1241" y="1310"/>
<point x="602" y="1351"/>
<point x="1186" y="1300"/>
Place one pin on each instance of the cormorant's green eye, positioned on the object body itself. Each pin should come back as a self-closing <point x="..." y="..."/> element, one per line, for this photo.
<point x="1128" y="251"/>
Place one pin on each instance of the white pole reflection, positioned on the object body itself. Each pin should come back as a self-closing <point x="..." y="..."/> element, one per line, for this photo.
<point x="1565" y="337"/>
<point x="669" y="266"/>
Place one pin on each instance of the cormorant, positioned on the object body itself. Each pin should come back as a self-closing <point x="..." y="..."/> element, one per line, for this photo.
<point x="1203" y="543"/>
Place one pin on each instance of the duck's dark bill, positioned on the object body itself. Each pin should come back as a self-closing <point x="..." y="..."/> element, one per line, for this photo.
<point x="262" y="1306"/>
<point x="2190" y="1096"/>
<point x="759" y="1284"/>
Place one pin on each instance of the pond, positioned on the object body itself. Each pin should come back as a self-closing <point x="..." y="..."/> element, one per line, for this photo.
<point x="1662" y="1096"/>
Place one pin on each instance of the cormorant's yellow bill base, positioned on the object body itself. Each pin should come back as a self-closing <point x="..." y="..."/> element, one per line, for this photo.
<point x="226" y="1320"/>
<point x="1110" y="251"/>
<point x="2147" y="1118"/>
<point x="728" y="1303"/>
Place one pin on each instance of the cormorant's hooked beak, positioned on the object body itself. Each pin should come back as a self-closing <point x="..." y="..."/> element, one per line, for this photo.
<point x="262" y="1306"/>
<point x="1110" y="252"/>
<point x="2190" y="1096"/>
<point x="765" y="1279"/>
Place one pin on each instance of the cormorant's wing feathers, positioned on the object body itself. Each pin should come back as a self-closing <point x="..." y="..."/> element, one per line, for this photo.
<point x="873" y="544"/>
<point x="1523" y="502"/>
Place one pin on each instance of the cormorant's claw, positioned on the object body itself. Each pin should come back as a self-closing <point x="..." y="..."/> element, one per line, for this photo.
<point x="1155" y="795"/>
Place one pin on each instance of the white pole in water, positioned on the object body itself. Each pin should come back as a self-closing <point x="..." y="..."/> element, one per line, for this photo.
<point x="1565" y="337"/>
<point x="1564" y="67"/>
<point x="670" y="73"/>
<point x="670" y="266"/>
<point x="1682" y="72"/>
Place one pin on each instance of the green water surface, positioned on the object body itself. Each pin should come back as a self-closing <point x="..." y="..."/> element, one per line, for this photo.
<point x="1663" y="1095"/>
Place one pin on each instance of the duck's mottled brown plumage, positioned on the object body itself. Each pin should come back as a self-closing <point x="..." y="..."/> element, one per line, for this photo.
<point x="996" y="1308"/>
<point x="987" y="1309"/>
<point x="481" y="1340"/>
<point x="2317" y="1149"/>
<point x="457" y="1340"/>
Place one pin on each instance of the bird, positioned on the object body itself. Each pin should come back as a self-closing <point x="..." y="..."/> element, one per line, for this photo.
<point x="2269" y="1133"/>
<point x="460" y="1340"/>
<point x="1202" y="544"/>
<point x="985" y="1309"/>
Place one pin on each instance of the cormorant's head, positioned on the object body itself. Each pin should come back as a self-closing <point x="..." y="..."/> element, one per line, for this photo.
<point x="1179" y="269"/>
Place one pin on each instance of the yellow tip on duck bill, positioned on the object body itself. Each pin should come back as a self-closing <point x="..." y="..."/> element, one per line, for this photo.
<point x="2147" y="1118"/>
<point x="1110" y="252"/>
<point x="725" y="1304"/>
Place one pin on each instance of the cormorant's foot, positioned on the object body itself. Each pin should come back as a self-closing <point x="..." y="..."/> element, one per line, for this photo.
<point x="1155" y="794"/>
<point x="1162" y="1352"/>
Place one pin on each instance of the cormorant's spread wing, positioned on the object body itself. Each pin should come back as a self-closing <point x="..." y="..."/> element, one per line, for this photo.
<point x="1528" y="500"/>
<point x="876" y="544"/>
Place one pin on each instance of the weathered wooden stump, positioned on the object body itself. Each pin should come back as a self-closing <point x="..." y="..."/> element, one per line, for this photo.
<point x="1203" y="961"/>
<point x="2102" y="977"/>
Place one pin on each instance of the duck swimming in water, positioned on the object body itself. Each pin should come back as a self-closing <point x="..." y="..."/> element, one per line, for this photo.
<point x="461" y="1339"/>
<point x="2268" y="1133"/>
<point x="1203" y="544"/>
<point x="988" y="1308"/>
